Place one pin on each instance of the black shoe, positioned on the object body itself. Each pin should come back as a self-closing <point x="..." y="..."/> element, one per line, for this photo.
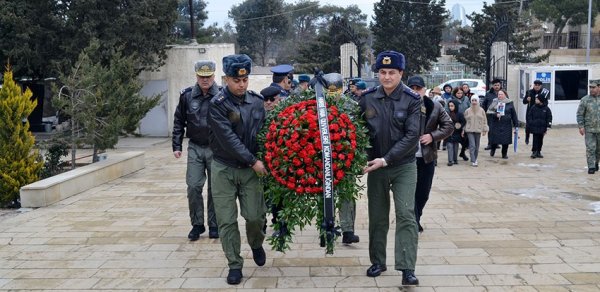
<point x="349" y="237"/>
<point x="539" y="154"/>
<point x="409" y="278"/>
<point x="213" y="232"/>
<point x="450" y="163"/>
<point x="492" y="152"/>
<point x="234" y="277"/>
<point x="533" y="155"/>
<point x="259" y="256"/>
<point x="527" y="140"/>
<point x="196" y="231"/>
<point x="591" y="171"/>
<point x="455" y="162"/>
<point x="420" y="227"/>
<point x="375" y="270"/>
<point x="464" y="157"/>
<point x="488" y="147"/>
<point x="504" y="156"/>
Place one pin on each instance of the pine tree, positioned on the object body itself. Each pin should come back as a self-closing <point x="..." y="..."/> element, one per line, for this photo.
<point x="413" y="28"/>
<point x="19" y="162"/>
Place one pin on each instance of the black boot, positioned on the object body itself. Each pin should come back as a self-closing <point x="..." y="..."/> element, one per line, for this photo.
<point x="492" y="151"/>
<point x="234" y="277"/>
<point x="195" y="232"/>
<point x="538" y="154"/>
<point x="533" y="154"/>
<point x="409" y="278"/>
<point x="349" y="237"/>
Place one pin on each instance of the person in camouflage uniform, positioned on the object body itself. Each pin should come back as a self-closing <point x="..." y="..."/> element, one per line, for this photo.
<point x="588" y="121"/>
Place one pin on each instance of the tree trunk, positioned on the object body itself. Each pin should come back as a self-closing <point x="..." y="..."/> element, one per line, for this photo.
<point x="95" y="155"/>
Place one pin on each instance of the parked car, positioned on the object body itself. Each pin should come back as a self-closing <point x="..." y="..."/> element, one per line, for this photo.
<point x="477" y="86"/>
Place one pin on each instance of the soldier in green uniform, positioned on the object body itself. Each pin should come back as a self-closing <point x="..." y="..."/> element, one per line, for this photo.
<point x="588" y="120"/>
<point x="236" y="116"/>
<point x="393" y="113"/>
<point x="191" y="114"/>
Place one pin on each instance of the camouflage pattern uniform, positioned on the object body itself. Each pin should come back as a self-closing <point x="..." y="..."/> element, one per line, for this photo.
<point x="588" y="118"/>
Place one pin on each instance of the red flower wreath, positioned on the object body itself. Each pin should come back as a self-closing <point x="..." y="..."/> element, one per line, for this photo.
<point x="293" y="147"/>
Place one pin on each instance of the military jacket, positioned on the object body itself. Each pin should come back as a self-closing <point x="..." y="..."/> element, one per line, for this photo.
<point x="393" y="122"/>
<point x="191" y="114"/>
<point x="235" y="122"/>
<point x="588" y="114"/>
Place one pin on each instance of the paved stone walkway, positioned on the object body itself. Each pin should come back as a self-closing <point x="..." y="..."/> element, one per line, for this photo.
<point x="509" y="225"/>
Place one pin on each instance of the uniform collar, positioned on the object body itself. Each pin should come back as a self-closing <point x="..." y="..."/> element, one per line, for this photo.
<point x="212" y="91"/>
<point x="380" y="93"/>
<point x="237" y="99"/>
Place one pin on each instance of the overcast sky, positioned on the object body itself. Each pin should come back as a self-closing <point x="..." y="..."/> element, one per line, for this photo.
<point x="217" y="9"/>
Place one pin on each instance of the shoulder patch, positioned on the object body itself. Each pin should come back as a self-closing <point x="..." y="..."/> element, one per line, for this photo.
<point x="183" y="91"/>
<point x="370" y="90"/>
<point x="252" y="92"/>
<point x="219" y="98"/>
<point x="411" y="92"/>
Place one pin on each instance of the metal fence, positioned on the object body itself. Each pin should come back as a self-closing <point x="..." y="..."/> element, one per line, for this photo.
<point x="569" y="40"/>
<point x="442" y="72"/>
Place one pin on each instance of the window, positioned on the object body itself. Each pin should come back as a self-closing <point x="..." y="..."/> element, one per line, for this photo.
<point x="570" y="84"/>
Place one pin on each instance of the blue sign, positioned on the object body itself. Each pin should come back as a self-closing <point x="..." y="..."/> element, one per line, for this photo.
<point x="545" y="77"/>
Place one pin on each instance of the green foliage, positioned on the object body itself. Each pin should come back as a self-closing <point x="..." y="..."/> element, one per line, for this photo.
<point x="411" y="28"/>
<point x="45" y="37"/>
<point x="521" y="41"/>
<point x="182" y="25"/>
<point x="320" y="37"/>
<point x="55" y="149"/>
<point x="103" y="102"/>
<point x="262" y="24"/>
<point x="18" y="159"/>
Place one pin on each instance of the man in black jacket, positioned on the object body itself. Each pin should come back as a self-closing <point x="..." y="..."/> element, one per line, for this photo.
<point x="529" y="100"/>
<point x="488" y="99"/>
<point x="236" y="116"/>
<point x="393" y="113"/>
<point x="191" y="114"/>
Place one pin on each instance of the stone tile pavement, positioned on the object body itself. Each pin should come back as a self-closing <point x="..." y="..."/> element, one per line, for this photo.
<point x="508" y="225"/>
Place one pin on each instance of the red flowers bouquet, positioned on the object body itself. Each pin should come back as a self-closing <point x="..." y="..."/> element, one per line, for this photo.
<point x="292" y="152"/>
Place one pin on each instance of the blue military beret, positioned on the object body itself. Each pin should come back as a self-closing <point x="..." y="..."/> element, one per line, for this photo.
<point x="303" y="78"/>
<point x="283" y="70"/>
<point x="390" y="60"/>
<point x="237" y="65"/>
<point x="361" y="85"/>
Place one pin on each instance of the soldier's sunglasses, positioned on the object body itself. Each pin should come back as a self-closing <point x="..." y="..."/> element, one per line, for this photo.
<point x="270" y="98"/>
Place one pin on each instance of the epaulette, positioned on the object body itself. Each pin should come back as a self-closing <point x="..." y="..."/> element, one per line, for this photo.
<point x="183" y="91"/>
<point x="411" y="92"/>
<point x="256" y="94"/>
<point x="370" y="90"/>
<point x="219" y="98"/>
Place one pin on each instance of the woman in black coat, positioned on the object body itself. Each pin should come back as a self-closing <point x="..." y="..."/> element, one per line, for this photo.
<point x="503" y="122"/>
<point x="539" y="119"/>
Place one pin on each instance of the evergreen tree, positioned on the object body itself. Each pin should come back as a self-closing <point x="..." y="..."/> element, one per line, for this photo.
<point x="263" y="25"/>
<point x="413" y="28"/>
<point x="19" y="162"/>
<point x="103" y="102"/>
<point x="522" y="43"/>
<point x="44" y="37"/>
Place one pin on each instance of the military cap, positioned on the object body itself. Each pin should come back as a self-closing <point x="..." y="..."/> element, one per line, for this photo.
<point x="361" y="85"/>
<point x="282" y="70"/>
<point x="270" y="92"/>
<point x="353" y="81"/>
<point x="538" y="82"/>
<point x="390" y="60"/>
<point x="416" y="81"/>
<point x="303" y="78"/>
<point x="595" y="82"/>
<point x="237" y="65"/>
<point x="333" y="82"/>
<point x="205" y="68"/>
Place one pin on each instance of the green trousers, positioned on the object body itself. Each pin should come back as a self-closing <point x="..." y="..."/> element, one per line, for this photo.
<point x="401" y="180"/>
<point x="243" y="184"/>
<point x="347" y="215"/>
<point x="198" y="168"/>
<point x="592" y="148"/>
